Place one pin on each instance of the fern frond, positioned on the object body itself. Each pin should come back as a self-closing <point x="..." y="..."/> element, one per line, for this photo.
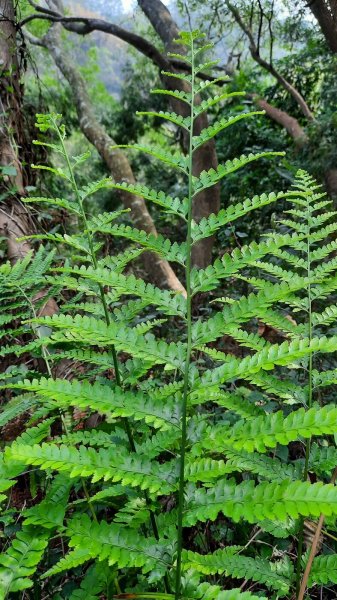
<point x="208" y="226"/>
<point x="50" y="512"/>
<point x="162" y="246"/>
<point x="134" y="513"/>
<point x="213" y="100"/>
<point x="269" y="430"/>
<point x="205" y="469"/>
<point x="209" y="132"/>
<point x="209" y="178"/>
<point x="171" y="205"/>
<point x="276" y="354"/>
<point x="322" y="459"/>
<point x="60" y="202"/>
<point x="229" y="400"/>
<point x="112" y="401"/>
<point x="92" y="331"/>
<point x="227" y="562"/>
<point x="263" y="501"/>
<point x="271" y="469"/>
<point x="112" y="464"/>
<point x="323" y="570"/>
<point x="231" y="264"/>
<point x="15" y="407"/>
<point x="177" y="94"/>
<point x="179" y="120"/>
<point x="205" y="591"/>
<point x="94" y="581"/>
<point x="246" y="308"/>
<point x="176" y="159"/>
<point x="20" y="561"/>
<point x="94" y="186"/>
<point x="169" y="303"/>
<point x="111" y="542"/>
<point x="327" y="317"/>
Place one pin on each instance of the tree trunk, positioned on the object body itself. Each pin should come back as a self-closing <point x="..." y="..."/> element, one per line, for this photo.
<point x="14" y="218"/>
<point x="157" y="269"/>
<point x="330" y="177"/>
<point x="325" y="12"/>
<point x="205" y="158"/>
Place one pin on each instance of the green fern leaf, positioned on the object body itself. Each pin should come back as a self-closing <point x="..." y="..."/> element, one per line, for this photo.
<point x="171" y="205"/>
<point x="111" y="542"/>
<point x="162" y="246"/>
<point x="103" y="464"/>
<point x="112" y="401"/>
<point x="269" y="430"/>
<point x="167" y="302"/>
<point x="184" y="122"/>
<point x="60" y="202"/>
<point x="205" y="591"/>
<point x="177" y="94"/>
<point x="20" y="561"/>
<point x="276" y="354"/>
<point x="323" y="570"/>
<point x="213" y="100"/>
<point x="322" y="459"/>
<point x="87" y="330"/>
<point x="209" y="178"/>
<point x="50" y="512"/>
<point x="176" y="160"/>
<point x="209" y="132"/>
<point x="94" y="582"/>
<point x="94" y="186"/>
<point x="264" y="501"/>
<point x="227" y="562"/>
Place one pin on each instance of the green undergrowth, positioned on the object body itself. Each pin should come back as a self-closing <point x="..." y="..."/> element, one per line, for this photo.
<point x="158" y="463"/>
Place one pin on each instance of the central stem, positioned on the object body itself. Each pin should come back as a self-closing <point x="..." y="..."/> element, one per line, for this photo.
<point x="310" y="395"/>
<point x="189" y="343"/>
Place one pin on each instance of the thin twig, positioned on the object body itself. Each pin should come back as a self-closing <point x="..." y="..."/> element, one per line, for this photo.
<point x="313" y="549"/>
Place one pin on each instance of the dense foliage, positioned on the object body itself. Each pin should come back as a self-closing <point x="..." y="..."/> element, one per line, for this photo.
<point x="158" y="464"/>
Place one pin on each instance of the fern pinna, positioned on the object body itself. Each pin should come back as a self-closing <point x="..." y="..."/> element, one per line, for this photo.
<point x="191" y="439"/>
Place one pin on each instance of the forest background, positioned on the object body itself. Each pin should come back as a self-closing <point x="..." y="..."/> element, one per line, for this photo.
<point x="283" y="55"/>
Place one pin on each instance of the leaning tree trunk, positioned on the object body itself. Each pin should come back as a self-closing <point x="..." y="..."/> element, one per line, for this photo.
<point x="157" y="269"/>
<point x="14" y="219"/>
<point x="205" y="158"/>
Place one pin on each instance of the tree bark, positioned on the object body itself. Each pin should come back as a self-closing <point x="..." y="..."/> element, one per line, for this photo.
<point x="205" y="158"/>
<point x="14" y="218"/>
<point x="290" y="124"/>
<point x="330" y="177"/>
<point x="325" y="12"/>
<point x="157" y="269"/>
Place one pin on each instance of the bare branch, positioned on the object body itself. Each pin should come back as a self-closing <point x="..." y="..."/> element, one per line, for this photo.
<point x="313" y="548"/>
<point x="83" y="26"/>
<point x="254" y="50"/>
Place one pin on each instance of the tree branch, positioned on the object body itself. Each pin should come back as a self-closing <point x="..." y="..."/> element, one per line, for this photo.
<point x="255" y="53"/>
<point x="83" y="26"/>
<point x="292" y="126"/>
